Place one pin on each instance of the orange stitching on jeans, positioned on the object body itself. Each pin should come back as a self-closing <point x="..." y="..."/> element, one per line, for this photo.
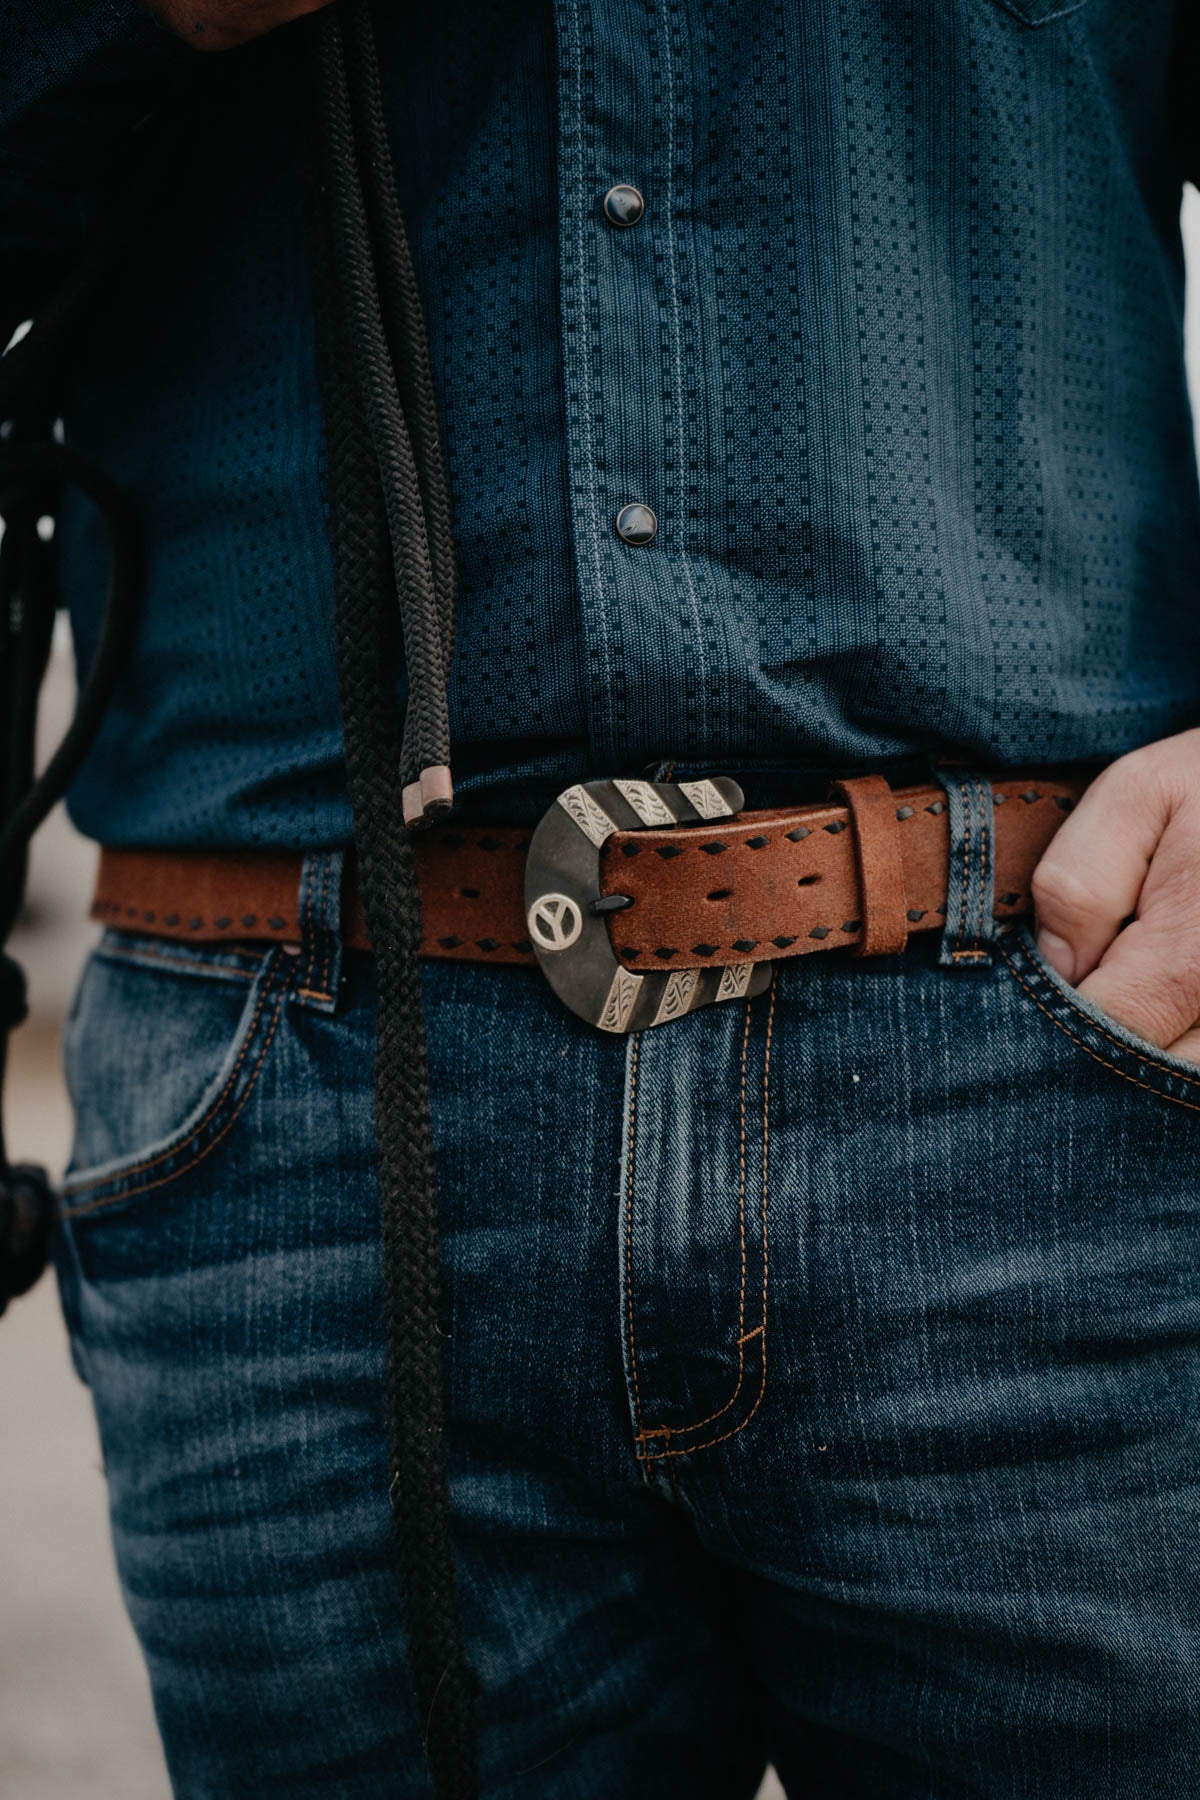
<point x="967" y="873"/>
<point x="1166" y="1068"/>
<point x="174" y="962"/>
<point x="320" y="933"/>
<point x="966" y="867"/>
<point x="1171" y="1099"/>
<point x="91" y="1206"/>
<point x="633" y="1075"/>
<point x="311" y="931"/>
<point x="326" y="933"/>
<point x="710" y="1443"/>
<point x="74" y="1186"/>
<point x="743" y="1335"/>
<point x="304" y="905"/>
<point x="985" y="878"/>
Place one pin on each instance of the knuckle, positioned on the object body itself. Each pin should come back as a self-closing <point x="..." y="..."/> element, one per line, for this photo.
<point x="1060" y="890"/>
<point x="1161" y="971"/>
<point x="1161" y="775"/>
<point x="1174" y="970"/>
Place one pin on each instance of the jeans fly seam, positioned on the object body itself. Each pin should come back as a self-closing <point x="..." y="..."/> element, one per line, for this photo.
<point x="631" y="1151"/>
<point x="743" y="1336"/>
<point x="1148" y="1087"/>
<point x="91" y="1206"/>
<point x="710" y="1443"/>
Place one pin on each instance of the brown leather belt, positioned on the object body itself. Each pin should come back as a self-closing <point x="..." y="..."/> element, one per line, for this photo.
<point x="727" y="891"/>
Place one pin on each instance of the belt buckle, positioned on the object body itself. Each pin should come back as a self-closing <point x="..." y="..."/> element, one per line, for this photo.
<point x="566" y="912"/>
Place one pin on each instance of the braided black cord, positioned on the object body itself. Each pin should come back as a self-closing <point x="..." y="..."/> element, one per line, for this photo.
<point x="402" y="304"/>
<point x="364" y="631"/>
<point x="426" y="739"/>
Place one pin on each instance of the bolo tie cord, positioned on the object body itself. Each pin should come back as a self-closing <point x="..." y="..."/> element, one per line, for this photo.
<point x="367" y="230"/>
<point x="391" y="542"/>
<point x="393" y="561"/>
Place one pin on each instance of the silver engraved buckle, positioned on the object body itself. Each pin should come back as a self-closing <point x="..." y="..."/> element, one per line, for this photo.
<point x="566" y="912"/>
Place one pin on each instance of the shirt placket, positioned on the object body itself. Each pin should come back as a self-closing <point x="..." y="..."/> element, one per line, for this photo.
<point x="629" y="373"/>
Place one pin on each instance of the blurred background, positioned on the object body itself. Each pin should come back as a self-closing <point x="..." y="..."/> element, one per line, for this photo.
<point x="75" y="1716"/>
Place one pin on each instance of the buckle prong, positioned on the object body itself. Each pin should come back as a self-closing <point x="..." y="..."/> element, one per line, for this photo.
<point x="611" y="903"/>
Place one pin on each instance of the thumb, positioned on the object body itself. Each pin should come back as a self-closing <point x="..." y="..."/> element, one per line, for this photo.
<point x="1091" y="875"/>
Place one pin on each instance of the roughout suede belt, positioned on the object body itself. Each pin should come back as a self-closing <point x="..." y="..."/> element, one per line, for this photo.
<point x="726" y="892"/>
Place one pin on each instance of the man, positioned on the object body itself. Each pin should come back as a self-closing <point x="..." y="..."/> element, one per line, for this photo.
<point x="821" y="1364"/>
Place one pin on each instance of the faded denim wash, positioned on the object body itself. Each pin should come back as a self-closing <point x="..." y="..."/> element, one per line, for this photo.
<point x="823" y="1377"/>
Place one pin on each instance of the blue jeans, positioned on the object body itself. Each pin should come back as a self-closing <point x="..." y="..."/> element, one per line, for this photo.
<point x="823" y="1374"/>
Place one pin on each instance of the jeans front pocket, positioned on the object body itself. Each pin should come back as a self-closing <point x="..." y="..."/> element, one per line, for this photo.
<point x="163" y="1048"/>
<point x="1102" y="1039"/>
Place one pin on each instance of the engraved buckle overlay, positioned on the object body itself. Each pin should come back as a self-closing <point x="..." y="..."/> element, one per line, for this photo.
<point x="565" y="910"/>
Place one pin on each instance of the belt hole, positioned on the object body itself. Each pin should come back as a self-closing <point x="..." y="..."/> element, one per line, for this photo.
<point x="468" y="893"/>
<point x="719" y="894"/>
<point x="808" y="881"/>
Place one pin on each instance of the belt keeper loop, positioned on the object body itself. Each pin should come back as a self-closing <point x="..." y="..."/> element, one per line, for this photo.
<point x="884" y="901"/>
<point x="319" y="905"/>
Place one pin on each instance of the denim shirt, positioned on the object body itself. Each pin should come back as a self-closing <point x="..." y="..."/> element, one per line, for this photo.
<point x="893" y="353"/>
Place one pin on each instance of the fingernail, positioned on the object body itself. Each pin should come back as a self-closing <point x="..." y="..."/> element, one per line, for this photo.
<point x="1058" y="953"/>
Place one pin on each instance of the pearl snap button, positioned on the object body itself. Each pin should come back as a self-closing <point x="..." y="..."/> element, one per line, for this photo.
<point x="623" y="205"/>
<point x="636" y="523"/>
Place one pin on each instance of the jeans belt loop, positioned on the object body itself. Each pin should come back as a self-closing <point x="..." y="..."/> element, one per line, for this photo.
<point x="320" y="912"/>
<point x="970" y="928"/>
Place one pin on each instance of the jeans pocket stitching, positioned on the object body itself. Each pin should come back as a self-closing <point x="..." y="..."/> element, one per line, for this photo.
<point x="273" y="984"/>
<point x="138" y="953"/>
<point x="213" y="972"/>
<point x="1093" y="1026"/>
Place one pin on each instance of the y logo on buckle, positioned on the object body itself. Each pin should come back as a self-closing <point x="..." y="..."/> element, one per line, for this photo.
<point x="565" y="908"/>
<point x="554" y="922"/>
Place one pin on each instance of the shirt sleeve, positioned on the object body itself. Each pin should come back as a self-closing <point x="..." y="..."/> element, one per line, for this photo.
<point x="76" y="78"/>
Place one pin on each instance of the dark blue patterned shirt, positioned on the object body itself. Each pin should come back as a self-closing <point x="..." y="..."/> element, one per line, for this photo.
<point x="893" y="353"/>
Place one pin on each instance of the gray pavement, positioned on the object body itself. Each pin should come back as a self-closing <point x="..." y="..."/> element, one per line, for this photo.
<point x="75" y="1716"/>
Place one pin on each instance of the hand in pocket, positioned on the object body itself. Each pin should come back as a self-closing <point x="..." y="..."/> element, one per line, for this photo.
<point x="1117" y="894"/>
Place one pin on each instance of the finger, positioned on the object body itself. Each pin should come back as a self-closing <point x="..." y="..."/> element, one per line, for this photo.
<point x="1188" y="1046"/>
<point x="1091" y="875"/>
<point x="1149" y="978"/>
